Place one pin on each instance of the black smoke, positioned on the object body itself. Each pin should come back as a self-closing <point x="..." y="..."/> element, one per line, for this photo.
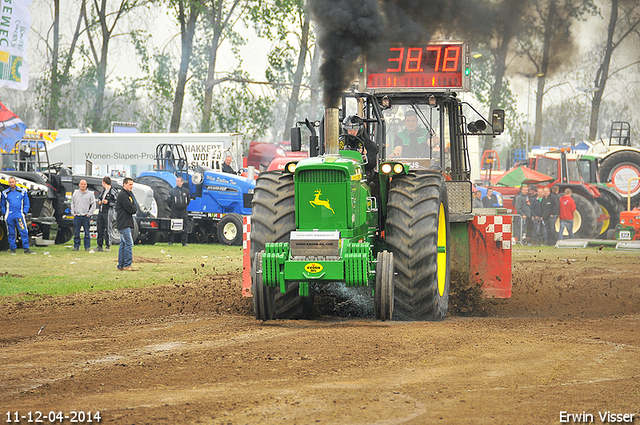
<point x="349" y="29"/>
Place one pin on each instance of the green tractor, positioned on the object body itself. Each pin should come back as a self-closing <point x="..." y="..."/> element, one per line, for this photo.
<point x="386" y="222"/>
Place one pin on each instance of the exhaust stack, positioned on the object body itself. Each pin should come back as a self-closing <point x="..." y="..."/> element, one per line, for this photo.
<point x="331" y="131"/>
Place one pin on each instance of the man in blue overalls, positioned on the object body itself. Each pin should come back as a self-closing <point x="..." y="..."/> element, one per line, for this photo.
<point x="14" y="204"/>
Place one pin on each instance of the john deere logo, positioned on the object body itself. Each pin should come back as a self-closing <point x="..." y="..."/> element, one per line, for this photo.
<point x="317" y="201"/>
<point x="313" y="267"/>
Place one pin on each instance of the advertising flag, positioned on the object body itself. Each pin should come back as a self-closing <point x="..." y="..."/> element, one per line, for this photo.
<point x="11" y="129"/>
<point x="15" y="22"/>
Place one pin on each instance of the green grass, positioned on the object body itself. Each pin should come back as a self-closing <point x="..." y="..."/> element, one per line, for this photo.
<point x="58" y="270"/>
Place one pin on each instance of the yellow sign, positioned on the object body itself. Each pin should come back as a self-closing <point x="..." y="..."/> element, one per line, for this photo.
<point x="317" y="201"/>
<point x="313" y="267"/>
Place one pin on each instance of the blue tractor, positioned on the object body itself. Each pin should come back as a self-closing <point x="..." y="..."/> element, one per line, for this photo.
<point x="218" y="200"/>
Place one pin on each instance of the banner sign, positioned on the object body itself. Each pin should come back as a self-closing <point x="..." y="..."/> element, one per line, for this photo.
<point x="11" y="129"/>
<point x="15" y="22"/>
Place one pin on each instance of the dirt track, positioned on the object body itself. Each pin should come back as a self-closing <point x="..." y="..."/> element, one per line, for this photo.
<point x="568" y="340"/>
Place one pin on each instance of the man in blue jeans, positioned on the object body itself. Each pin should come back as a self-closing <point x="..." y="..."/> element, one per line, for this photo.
<point x="125" y="209"/>
<point x="83" y="203"/>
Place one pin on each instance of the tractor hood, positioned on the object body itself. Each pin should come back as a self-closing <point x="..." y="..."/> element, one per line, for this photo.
<point x="330" y="195"/>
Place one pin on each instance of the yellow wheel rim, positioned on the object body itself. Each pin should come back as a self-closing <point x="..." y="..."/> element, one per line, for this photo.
<point x="607" y="221"/>
<point x="442" y="251"/>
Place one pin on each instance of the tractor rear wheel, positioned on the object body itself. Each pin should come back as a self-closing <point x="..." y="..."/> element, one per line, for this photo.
<point x="417" y="232"/>
<point x="272" y="220"/>
<point x="4" y="237"/>
<point x="64" y="235"/>
<point x="585" y="218"/>
<point x="618" y="168"/>
<point x="383" y="297"/>
<point x="112" y="230"/>
<point x="161" y="191"/>
<point x="610" y="208"/>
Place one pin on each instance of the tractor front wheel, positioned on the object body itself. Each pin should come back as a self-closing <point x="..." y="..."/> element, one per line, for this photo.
<point x="417" y="232"/>
<point x="263" y="296"/>
<point x="272" y="220"/>
<point x="229" y="230"/>
<point x="383" y="297"/>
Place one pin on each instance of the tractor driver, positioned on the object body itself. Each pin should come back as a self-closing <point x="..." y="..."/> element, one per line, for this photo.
<point x="353" y="127"/>
<point x="413" y="142"/>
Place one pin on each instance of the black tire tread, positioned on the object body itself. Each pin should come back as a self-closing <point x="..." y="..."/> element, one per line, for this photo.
<point x="161" y="191"/>
<point x="613" y="207"/>
<point x="411" y="234"/>
<point x="236" y="219"/>
<point x="272" y="219"/>
<point x="589" y="218"/>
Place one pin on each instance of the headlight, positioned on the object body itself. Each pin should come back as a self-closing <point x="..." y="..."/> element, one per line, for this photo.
<point x="386" y="168"/>
<point x="197" y="177"/>
<point x="398" y="168"/>
<point x="291" y="167"/>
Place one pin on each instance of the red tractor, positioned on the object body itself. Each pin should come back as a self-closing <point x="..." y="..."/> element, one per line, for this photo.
<point x="598" y="208"/>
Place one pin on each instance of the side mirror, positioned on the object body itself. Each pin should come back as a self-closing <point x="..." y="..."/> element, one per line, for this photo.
<point x="497" y="121"/>
<point x="296" y="139"/>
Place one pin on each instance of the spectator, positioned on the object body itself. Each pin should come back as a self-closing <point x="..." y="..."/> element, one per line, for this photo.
<point x="83" y="203"/>
<point x="550" y="209"/>
<point x="226" y="165"/>
<point x="125" y="209"/>
<point x="14" y="205"/>
<point x="536" y="216"/>
<point x="523" y="209"/>
<point x="477" y="200"/>
<point x="567" y="208"/>
<point x="490" y="200"/>
<point x="106" y="202"/>
<point x="178" y="202"/>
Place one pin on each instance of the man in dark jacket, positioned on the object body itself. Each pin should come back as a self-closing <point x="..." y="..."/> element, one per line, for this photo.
<point x="178" y="201"/>
<point x="106" y="201"/>
<point x="522" y="204"/>
<point x="125" y="209"/>
<point x="226" y="165"/>
<point x="550" y="211"/>
<point x="490" y="200"/>
<point x="536" y="215"/>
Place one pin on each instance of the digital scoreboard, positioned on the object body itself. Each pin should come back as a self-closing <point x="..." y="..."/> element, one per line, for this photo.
<point x="431" y="66"/>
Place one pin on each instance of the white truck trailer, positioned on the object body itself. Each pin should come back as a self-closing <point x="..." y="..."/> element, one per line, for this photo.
<point x="129" y="154"/>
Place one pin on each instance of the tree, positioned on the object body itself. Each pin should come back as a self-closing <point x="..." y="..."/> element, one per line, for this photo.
<point x="619" y="28"/>
<point x="289" y="20"/>
<point x="188" y="11"/>
<point x="547" y="40"/>
<point x="104" y="21"/>
<point x="53" y="103"/>
<point x="507" y="25"/>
